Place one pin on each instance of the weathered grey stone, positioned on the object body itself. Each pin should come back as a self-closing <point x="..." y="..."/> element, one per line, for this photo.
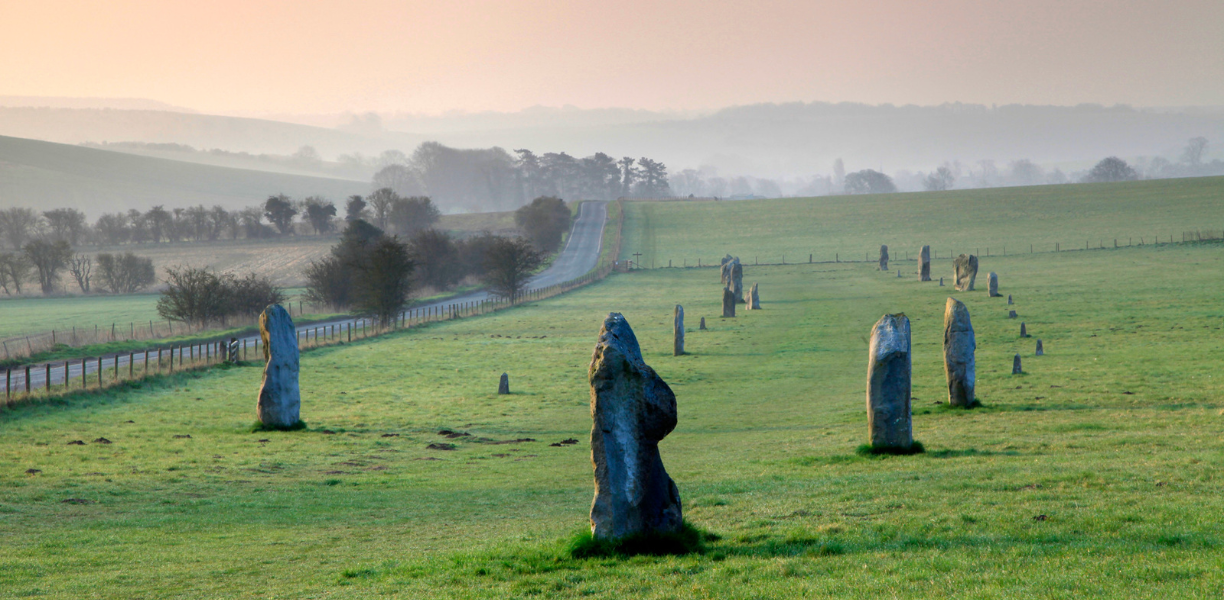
<point x="702" y="326"/>
<point x="966" y="266"/>
<point x="678" y="331"/>
<point x="728" y="302"/>
<point x="898" y="273"/>
<point x="993" y="287"/>
<point x="889" y="415"/>
<point x="1009" y="300"/>
<point x="1040" y="349"/>
<point x="737" y="280"/>
<point x="959" y="347"/>
<point x="941" y="282"/>
<point x="753" y="298"/>
<point x="883" y="258"/>
<point x="503" y="385"/>
<point x="280" y="399"/>
<point x="924" y="263"/>
<point x="632" y="409"/>
<point x="1023" y="331"/>
<point x="1016" y="365"/>
<point x="1011" y="314"/>
<point x="724" y="272"/>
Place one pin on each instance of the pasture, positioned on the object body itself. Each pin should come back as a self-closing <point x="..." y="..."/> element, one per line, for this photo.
<point x="1096" y="474"/>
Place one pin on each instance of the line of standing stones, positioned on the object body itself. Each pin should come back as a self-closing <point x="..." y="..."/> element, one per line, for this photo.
<point x="889" y="367"/>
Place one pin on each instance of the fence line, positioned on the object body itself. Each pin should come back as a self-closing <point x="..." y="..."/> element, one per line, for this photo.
<point x="205" y="354"/>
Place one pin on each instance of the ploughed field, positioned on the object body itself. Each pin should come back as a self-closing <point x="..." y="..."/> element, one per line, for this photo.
<point x="1097" y="473"/>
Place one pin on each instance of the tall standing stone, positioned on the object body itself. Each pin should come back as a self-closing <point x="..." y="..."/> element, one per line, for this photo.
<point x="993" y="287"/>
<point x="924" y="263"/>
<point x="883" y="257"/>
<point x="1023" y="331"/>
<point x="753" y="299"/>
<point x="1016" y="365"/>
<point x="678" y="331"/>
<point x="728" y="302"/>
<point x="280" y="399"/>
<point x="941" y="282"/>
<point x="702" y="326"/>
<point x="959" y="347"/>
<point x="1009" y="300"/>
<point x="889" y="415"/>
<point x="966" y="266"/>
<point x="737" y="279"/>
<point x="632" y="409"/>
<point x="503" y="385"/>
<point x="1040" y="349"/>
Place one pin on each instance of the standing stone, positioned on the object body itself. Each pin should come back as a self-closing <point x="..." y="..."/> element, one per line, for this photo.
<point x="1011" y="314"/>
<point x="993" y="287"/>
<point x="678" y="331"/>
<point x="280" y="400"/>
<point x="702" y="327"/>
<point x="966" y="272"/>
<point x="1009" y="300"/>
<point x="959" y="347"/>
<point x="632" y="409"/>
<point x="924" y="263"/>
<point x="728" y="302"/>
<point x="889" y="416"/>
<point x="1040" y="350"/>
<point x="941" y="282"/>
<point x="754" y="300"/>
<point x="898" y="273"/>
<point x="1016" y="365"/>
<point x="503" y="385"/>
<point x="737" y="280"/>
<point x="883" y="258"/>
<point x="1023" y="331"/>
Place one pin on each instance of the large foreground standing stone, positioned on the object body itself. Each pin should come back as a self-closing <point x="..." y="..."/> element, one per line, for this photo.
<point x="728" y="302"/>
<point x="924" y="263"/>
<point x="993" y="285"/>
<point x="966" y="272"/>
<point x="889" y="416"/>
<point x="959" y="347"/>
<point x="753" y="299"/>
<point x="883" y="258"/>
<point x="1016" y="370"/>
<point x="678" y="331"/>
<point x="632" y="409"/>
<point x="280" y="400"/>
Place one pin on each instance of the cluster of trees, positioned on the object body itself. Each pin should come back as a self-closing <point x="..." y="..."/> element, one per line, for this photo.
<point x="493" y="179"/>
<point x="199" y="297"/>
<point x="45" y="262"/>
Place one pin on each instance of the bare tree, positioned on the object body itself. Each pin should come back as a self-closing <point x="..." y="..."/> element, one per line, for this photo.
<point x="81" y="267"/>
<point x="125" y="273"/>
<point x="67" y="224"/>
<point x="384" y="280"/>
<point x="941" y="180"/>
<point x="1111" y="169"/>
<point x="18" y="225"/>
<point x="509" y="263"/>
<point x="1195" y="149"/>
<point x="14" y="269"/>
<point x="49" y="258"/>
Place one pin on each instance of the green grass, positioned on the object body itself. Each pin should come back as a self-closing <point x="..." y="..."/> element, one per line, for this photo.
<point x="1095" y="474"/>
<point x="971" y="221"/>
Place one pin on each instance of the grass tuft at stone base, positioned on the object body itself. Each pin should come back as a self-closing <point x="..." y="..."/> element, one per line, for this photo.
<point x="869" y="450"/>
<point x="689" y="540"/>
<point x="258" y="426"/>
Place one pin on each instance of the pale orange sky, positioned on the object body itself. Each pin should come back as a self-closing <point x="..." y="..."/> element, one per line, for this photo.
<point x="316" y="57"/>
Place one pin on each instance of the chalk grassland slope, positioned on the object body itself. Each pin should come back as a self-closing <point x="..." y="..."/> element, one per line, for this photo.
<point x="283" y="260"/>
<point x="46" y="175"/>
<point x="1096" y="474"/>
<point x="956" y="221"/>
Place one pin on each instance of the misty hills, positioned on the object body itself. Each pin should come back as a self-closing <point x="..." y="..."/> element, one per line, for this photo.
<point x="47" y="175"/>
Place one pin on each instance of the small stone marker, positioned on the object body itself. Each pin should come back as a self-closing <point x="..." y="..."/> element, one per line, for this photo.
<point x="1016" y="365"/>
<point x="924" y="263"/>
<point x="678" y="331"/>
<point x="959" y="347"/>
<point x="1011" y="314"/>
<point x="883" y="258"/>
<point x="889" y="415"/>
<point x="993" y="287"/>
<point x="702" y="327"/>
<point x="966" y="266"/>
<point x="503" y="385"/>
<point x="632" y="409"/>
<point x="280" y="399"/>
<point x="898" y="273"/>
<point x="1023" y="331"/>
<point x="941" y="282"/>
<point x="1009" y="300"/>
<point x="728" y="302"/>
<point x="1040" y="350"/>
<point x="753" y="298"/>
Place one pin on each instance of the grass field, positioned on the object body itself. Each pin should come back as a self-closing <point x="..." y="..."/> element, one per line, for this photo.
<point x="1096" y="474"/>
<point x="972" y="221"/>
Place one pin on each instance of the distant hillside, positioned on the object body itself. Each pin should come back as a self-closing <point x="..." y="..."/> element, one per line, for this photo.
<point x="44" y="175"/>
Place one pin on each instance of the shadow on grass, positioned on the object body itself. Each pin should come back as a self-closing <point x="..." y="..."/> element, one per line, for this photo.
<point x="259" y="427"/>
<point x="872" y="451"/>
<point x="689" y="540"/>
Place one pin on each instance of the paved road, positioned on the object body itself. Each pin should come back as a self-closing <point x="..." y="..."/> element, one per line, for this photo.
<point x="580" y="255"/>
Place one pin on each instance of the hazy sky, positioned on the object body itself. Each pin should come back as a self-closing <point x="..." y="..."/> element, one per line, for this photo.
<point x="406" y="55"/>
